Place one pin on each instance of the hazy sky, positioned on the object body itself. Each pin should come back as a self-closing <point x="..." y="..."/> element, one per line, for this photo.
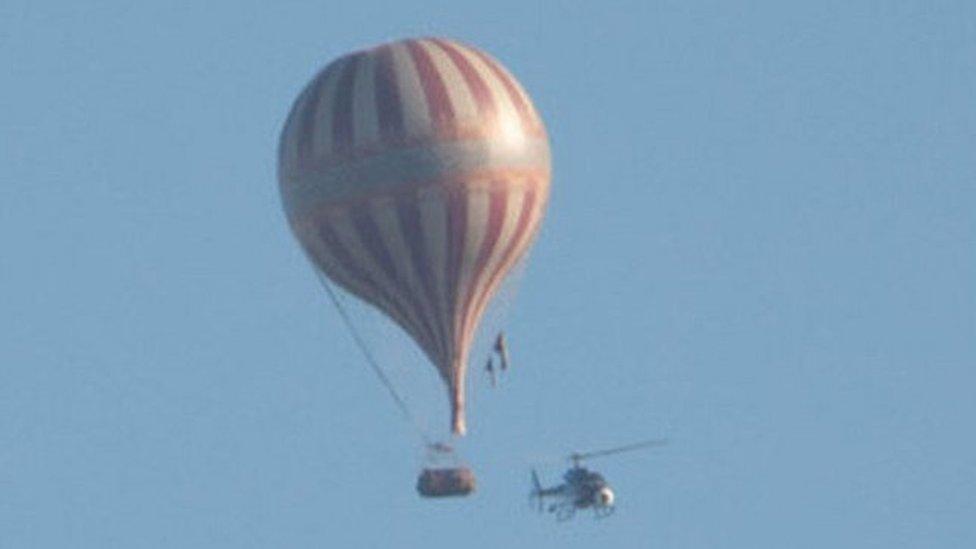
<point x="761" y="245"/>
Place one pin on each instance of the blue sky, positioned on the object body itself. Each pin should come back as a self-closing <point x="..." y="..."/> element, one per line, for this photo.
<point x="761" y="244"/>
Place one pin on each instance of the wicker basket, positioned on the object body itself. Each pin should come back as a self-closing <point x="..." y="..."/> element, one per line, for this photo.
<point x="440" y="483"/>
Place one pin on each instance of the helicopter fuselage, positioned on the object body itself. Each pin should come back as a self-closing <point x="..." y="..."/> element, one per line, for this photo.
<point x="581" y="489"/>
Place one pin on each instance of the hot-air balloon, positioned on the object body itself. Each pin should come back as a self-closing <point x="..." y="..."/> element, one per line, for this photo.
<point x="414" y="175"/>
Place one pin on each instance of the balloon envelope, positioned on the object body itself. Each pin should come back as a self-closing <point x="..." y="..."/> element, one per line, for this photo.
<point x="415" y="175"/>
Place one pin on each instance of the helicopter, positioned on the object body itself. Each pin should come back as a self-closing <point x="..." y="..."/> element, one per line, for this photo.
<point x="582" y="488"/>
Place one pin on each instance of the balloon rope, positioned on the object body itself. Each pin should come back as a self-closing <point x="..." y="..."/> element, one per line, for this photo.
<point x="371" y="360"/>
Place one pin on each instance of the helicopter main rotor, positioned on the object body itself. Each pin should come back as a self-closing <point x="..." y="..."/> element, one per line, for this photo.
<point x="577" y="457"/>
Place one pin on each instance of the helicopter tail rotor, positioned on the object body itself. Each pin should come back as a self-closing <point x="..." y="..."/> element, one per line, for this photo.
<point x="535" y="497"/>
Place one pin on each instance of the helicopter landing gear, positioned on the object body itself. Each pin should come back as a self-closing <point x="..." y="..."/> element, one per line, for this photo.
<point x="603" y="512"/>
<point x="565" y="512"/>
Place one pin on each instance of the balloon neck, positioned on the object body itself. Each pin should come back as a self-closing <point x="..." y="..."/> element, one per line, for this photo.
<point x="458" y="426"/>
<point x="459" y="366"/>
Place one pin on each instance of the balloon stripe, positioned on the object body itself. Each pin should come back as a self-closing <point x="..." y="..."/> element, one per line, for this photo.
<point x="457" y="212"/>
<point x="506" y="120"/>
<point x="413" y="102"/>
<point x="513" y="93"/>
<point x="409" y="215"/>
<point x="309" y="117"/>
<point x="477" y="86"/>
<point x="434" y="224"/>
<point x="359" y="246"/>
<point x="476" y="229"/>
<point x="387" y="94"/>
<point x="464" y="106"/>
<point x="288" y="143"/>
<point x="385" y="213"/>
<point x="457" y="227"/>
<point x="497" y="205"/>
<point x="438" y="101"/>
<point x="510" y="217"/>
<point x="370" y="291"/>
<point x="342" y="128"/>
<point x="511" y="254"/>
<point x="369" y="234"/>
<point x="322" y="139"/>
<point x="345" y="276"/>
<point x="365" y="122"/>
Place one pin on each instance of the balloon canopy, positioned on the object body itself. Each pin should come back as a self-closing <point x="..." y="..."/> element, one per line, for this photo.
<point x="415" y="175"/>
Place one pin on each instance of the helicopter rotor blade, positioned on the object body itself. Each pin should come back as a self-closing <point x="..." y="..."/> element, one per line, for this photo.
<point x="576" y="456"/>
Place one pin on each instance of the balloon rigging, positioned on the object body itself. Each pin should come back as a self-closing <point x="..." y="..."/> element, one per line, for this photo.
<point x="374" y="365"/>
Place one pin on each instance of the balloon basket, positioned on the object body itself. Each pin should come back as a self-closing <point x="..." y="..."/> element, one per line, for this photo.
<point x="445" y="482"/>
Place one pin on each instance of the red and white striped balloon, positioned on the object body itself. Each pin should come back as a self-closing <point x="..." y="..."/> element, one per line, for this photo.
<point x="415" y="175"/>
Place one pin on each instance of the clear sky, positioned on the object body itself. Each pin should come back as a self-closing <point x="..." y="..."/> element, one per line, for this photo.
<point x="761" y="245"/>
